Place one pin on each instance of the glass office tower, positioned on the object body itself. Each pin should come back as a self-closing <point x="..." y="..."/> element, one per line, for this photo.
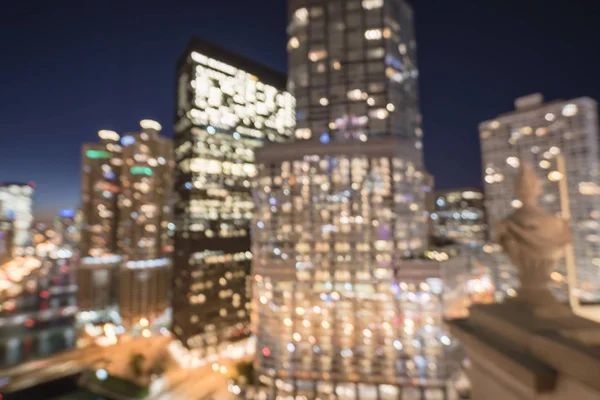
<point x="144" y="239"/>
<point x="536" y="132"/>
<point x="227" y="106"/>
<point x="339" y="211"/>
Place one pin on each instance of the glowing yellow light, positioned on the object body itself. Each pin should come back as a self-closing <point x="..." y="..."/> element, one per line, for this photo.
<point x="555" y="176"/>
<point x="294" y="43"/>
<point x="545" y="164"/>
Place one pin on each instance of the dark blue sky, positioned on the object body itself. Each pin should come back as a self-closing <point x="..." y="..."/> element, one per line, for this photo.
<point x="69" y="68"/>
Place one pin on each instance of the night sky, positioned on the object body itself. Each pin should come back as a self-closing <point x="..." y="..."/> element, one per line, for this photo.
<point x="68" y="69"/>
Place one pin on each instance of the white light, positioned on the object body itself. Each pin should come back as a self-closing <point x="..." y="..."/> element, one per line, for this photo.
<point x="380" y="113"/>
<point x="373" y="34"/>
<point x="372" y="4"/>
<point x="550" y="117"/>
<point x="108" y="135"/>
<point x="323" y="101"/>
<point x="516" y="204"/>
<point x="301" y="15"/>
<point x="150" y="124"/>
<point x="445" y="340"/>
<point x="355" y="94"/>
<point x="291" y="347"/>
<point x="569" y="110"/>
<point x="390" y="107"/>
<point x="211" y="130"/>
<point x="554" y="150"/>
<point x="513" y="162"/>
<point x="398" y="345"/>
<point x="101" y="374"/>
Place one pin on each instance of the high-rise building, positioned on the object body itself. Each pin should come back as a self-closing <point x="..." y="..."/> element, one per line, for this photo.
<point x="126" y="213"/>
<point x="144" y="239"/>
<point x="536" y="133"/>
<point x="227" y="106"/>
<point x="16" y="205"/>
<point x="6" y="240"/>
<point x="459" y="217"/>
<point x="339" y="210"/>
<point x="97" y="274"/>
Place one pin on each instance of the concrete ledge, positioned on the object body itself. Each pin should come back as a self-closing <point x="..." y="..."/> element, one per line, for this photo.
<point x="528" y="371"/>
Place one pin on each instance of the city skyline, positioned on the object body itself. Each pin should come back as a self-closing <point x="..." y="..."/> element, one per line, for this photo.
<point x="109" y="66"/>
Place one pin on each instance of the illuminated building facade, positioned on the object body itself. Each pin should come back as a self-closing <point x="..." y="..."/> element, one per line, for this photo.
<point x="144" y="239"/>
<point x="459" y="216"/>
<point x="16" y="205"/>
<point x="126" y="220"/>
<point x="97" y="274"/>
<point x="227" y="106"/>
<point x="338" y="212"/>
<point x="6" y="240"/>
<point x="536" y="132"/>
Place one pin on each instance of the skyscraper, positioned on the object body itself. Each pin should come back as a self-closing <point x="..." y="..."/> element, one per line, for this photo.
<point x="144" y="239"/>
<point x="338" y="210"/>
<point x="459" y="217"/>
<point x="97" y="273"/>
<point x="16" y="205"/>
<point x="536" y="133"/>
<point x="126" y="212"/>
<point x="227" y="106"/>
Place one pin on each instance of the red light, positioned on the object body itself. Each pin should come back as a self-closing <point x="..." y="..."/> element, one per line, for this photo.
<point x="44" y="294"/>
<point x="64" y="268"/>
<point x="266" y="352"/>
<point x="29" y="323"/>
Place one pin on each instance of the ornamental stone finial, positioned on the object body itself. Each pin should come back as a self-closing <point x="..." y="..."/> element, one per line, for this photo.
<point x="534" y="240"/>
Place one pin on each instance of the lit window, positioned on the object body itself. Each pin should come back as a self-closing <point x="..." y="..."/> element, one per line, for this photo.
<point x="550" y="117"/>
<point x="355" y="94"/>
<point x="372" y="4"/>
<point x="303" y="133"/>
<point x="569" y="110"/>
<point x="541" y="131"/>
<point x="324" y="101"/>
<point x="317" y="55"/>
<point x="373" y="34"/>
<point x="513" y="162"/>
<point x="294" y="43"/>
<point x="301" y="15"/>
<point x="555" y="176"/>
<point x="380" y="113"/>
<point x="516" y="204"/>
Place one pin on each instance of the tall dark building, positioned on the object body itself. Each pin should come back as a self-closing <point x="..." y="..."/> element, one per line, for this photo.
<point x="227" y="106"/>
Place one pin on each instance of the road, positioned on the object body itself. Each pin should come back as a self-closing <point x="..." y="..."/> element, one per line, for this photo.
<point x="197" y="384"/>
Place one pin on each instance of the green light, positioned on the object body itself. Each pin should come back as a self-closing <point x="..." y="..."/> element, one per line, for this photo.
<point x="97" y="154"/>
<point x="141" y="171"/>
